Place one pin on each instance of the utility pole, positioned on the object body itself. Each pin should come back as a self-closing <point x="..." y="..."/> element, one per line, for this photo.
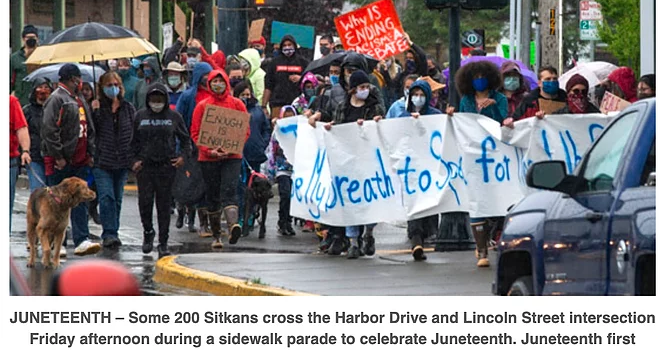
<point x="455" y="54"/>
<point x="525" y="33"/>
<point x="511" y="46"/>
<point x="59" y="16"/>
<point x="232" y="36"/>
<point x="549" y="41"/>
<point x="156" y="22"/>
<point x="17" y="11"/>
<point x="120" y="12"/>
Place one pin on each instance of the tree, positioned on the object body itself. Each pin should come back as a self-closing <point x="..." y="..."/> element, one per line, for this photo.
<point x="621" y="31"/>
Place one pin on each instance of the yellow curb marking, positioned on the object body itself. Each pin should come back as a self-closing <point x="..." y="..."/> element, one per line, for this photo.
<point x="168" y="271"/>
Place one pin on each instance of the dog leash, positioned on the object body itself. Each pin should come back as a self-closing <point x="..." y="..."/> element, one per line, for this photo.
<point x="48" y="188"/>
<point x="252" y="173"/>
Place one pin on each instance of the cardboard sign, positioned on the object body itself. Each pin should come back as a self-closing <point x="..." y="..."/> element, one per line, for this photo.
<point x="549" y="106"/>
<point x="180" y="22"/>
<point x="373" y="29"/>
<point x="256" y="30"/>
<point x="612" y="103"/>
<point x="224" y="128"/>
<point x="141" y="18"/>
<point x="304" y="35"/>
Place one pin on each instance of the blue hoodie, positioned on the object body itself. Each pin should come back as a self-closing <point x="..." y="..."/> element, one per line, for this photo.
<point x="426" y="109"/>
<point x="187" y="101"/>
<point x="259" y="133"/>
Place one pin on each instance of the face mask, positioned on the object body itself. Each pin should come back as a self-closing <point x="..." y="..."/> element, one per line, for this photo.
<point x="111" y="91"/>
<point x="244" y="100"/>
<point x="511" y="83"/>
<point x="260" y="52"/>
<point x="148" y="72"/>
<point x="347" y="78"/>
<point x="406" y="93"/>
<point x="191" y="61"/>
<point x="174" y="81"/>
<point x="288" y="51"/>
<point x="309" y="93"/>
<point x="219" y="88"/>
<point x="418" y="101"/>
<point x="113" y="64"/>
<point x="480" y="84"/>
<point x="433" y="71"/>
<point x="577" y="103"/>
<point x="41" y="95"/>
<point x="334" y="79"/>
<point x="156" y="107"/>
<point x="410" y="66"/>
<point x="276" y="53"/>
<point x="362" y="94"/>
<point x="235" y="82"/>
<point x="324" y="50"/>
<point x="123" y="72"/>
<point x="551" y="87"/>
<point x="31" y="43"/>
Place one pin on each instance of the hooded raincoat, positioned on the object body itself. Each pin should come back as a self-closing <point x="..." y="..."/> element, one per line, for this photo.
<point x="194" y="94"/>
<point x="143" y="85"/>
<point x="256" y="76"/>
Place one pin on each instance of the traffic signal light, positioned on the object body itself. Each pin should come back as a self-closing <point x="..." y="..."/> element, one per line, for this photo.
<point x="466" y="4"/>
<point x="266" y="3"/>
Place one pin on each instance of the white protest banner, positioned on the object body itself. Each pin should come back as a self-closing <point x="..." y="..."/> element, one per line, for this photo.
<point x="409" y="168"/>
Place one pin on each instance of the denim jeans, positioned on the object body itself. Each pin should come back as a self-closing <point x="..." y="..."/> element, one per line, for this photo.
<point x="79" y="216"/>
<point x="37" y="171"/>
<point x="13" y="175"/>
<point x="353" y="231"/>
<point x="109" y="188"/>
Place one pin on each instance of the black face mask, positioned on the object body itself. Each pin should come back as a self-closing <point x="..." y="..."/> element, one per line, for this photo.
<point x="324" y="50"/>
<point x="31" y="43"/>
<point x="433" y="71"/>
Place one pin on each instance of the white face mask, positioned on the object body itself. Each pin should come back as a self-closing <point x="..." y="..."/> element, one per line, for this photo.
<point x="418" y="101"/>
<point x="156" y="107"/>
<point x="362" y="94"/>
<point x="406" y="92"/>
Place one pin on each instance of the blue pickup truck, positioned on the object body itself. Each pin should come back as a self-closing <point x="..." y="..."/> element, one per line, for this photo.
<point x="591" y="232"/>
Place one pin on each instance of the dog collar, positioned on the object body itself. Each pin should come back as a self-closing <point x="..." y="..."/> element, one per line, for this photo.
<point x="253" y="175"/>
<point x="56" y="198"/>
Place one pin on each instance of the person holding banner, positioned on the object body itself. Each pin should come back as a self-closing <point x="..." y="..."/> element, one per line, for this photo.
<point x="282" y="83"/>
<point x="398" y="108"/>
<point x="577" y="97"/>
<point x="514" y="86"/>
<point x="547" y="92"/>
<point x="478" y="82"/>
<point x="419" y="95"/>
<point x="360" y="105"/>
<point x="221" y="170"/>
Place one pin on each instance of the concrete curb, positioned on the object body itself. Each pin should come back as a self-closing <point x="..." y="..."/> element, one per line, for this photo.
<point x="168" y="271"/>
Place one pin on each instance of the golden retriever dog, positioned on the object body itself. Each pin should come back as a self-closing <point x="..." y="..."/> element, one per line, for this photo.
<point x="48" y="215"/>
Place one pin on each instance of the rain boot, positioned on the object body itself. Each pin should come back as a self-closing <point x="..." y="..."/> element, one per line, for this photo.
<point x="214" y="218"/>
<point x="481" y="242"/>
<point x="368" y="246"/>
<point x="417" y="247"/>
<point x="205" y="230"/>
<point x="163" y="245"/>
<point x="148" y="241"/>
<point x="234" y="229"/>
<point x="191" y="219"/>
<point x="181" y="212"/>
<point x="340" y="242"/>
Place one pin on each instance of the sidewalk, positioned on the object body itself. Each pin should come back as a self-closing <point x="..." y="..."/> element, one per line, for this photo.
<point x="386" y="273"/>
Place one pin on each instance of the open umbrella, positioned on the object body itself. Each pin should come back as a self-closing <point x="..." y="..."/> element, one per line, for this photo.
<point x="90" y="42"/>
<point x="51" y="72"/>
<point x="594" y="72"/>
<point x="529" y="76"/>
<point x="321" y="66"/>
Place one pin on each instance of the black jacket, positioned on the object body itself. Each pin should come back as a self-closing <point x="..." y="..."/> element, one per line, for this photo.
<point x="371" y="108"/>
<point x="61" y="126"/>
<point x="529" y="105"/>
<point x="259" y="134"/>
<point x="155" y="134"/>
<point x="115" y="131"/>
<point x="33" y="113"/>
<point x="277" y="76"/>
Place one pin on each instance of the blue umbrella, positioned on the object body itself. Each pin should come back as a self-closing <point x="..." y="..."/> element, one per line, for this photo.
<point x="51" y="73"/>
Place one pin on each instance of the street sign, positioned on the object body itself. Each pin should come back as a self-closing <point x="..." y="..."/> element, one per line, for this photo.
<point x="590" y="11"/>
<point x="472" y="39"/>
<point x="167" y="35"/>
<point x="588" y="30"/>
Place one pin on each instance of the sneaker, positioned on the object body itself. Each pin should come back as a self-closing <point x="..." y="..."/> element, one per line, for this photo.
<point x="338" y="246"/>
<point x="326" y="243"/>
<point x="368" y="246"/>
<point x="205" y="232"/>
<point x="484" y="262"/>
<point x="192" y="228"/>
<point x="111" y="242"/>
<point x="353" y="252"/>
<point x="163" y="250"/>
<point x="148" y="241"/>
<point x="290" y="230"/>
<point x="217" y="243"/>
<point x="64" y="253"/>
<point x="234" y="235"/>
<point x="87" y="247"/>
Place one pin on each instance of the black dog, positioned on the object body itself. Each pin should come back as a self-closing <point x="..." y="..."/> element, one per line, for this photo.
<point x="257" y="194"/>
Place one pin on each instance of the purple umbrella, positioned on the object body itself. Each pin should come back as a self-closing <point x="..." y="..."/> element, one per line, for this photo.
<point x="528" y="75"/>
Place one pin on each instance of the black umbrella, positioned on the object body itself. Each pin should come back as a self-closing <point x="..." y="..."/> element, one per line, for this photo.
<point x="51" y="73"/>
<point x="321" y="66"/>
<point x="91" y="31"/>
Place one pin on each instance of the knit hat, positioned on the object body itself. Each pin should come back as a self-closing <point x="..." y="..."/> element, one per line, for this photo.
<point x="576" y="79"/>
<point x="625" y="79"/>
<point x="357" y="78"/>
<point x="509" y="66"/>
<point x="67" y="71"/>
<point x="28" y="29"/>
<point x="261" y="41"/>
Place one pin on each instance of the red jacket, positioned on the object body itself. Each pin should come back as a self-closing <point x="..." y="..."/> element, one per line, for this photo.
<point x="217" y="60"/>
<point x="224" y="100"/>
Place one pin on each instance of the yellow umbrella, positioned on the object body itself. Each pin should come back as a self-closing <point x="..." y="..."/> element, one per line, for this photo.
<point x="91" y="50"/>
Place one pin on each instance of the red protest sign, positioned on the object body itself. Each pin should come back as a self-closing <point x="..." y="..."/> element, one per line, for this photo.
<point x="373" y="29"/>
